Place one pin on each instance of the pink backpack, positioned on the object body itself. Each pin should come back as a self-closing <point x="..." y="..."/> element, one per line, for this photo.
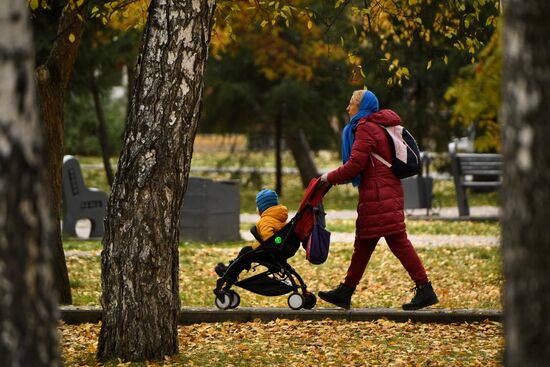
<point x="406" y="155"/>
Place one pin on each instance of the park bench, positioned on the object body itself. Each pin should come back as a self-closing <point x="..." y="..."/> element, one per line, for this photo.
<point x="473" y="170"/>
<point x="80" y="202"/>
<point x="210" y="211"/>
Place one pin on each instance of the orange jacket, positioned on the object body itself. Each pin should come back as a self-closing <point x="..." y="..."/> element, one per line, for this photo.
<point x="271" y="220"/>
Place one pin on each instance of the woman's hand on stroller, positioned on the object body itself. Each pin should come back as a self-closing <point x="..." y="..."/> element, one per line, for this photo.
<point x="324" y="177"/>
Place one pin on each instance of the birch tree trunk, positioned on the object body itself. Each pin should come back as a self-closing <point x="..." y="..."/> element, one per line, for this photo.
<point x="28" y="305"/>
<point x="140" y="257"/>
<point x="526" y="184"/>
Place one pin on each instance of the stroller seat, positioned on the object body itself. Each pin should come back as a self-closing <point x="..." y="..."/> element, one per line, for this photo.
<point x="284" y="243"/>
<point x="271" y="253"/>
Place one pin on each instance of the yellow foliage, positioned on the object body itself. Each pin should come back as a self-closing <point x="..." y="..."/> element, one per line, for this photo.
<point x="394" y="22"/>
<point x="261" y="24"/>
<point x="477" y="96"/>
<point x="130" y="14"/>
<point x="265" y="31"/>
<point x="33" y="4"/>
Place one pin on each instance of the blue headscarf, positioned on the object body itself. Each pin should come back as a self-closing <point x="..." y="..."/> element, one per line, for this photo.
<point x="368" y="106"/>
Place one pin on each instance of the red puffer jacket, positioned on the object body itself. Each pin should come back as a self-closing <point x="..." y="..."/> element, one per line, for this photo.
<point x="380" y="208"/>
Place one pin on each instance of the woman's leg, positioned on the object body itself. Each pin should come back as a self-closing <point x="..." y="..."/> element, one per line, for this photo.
<point x="403" y="249"/>
<point x="341" y="295"/>
<point x="362" y="251"/>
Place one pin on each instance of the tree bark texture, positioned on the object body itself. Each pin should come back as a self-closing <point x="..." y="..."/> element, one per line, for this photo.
<point x="28" y="303"/>
<point x="140" y="248"/>
<point x="53" y="78"/>
<point x="526" y="182"/>
<point x="297" y="142"/>
<point x="102" y="130"/>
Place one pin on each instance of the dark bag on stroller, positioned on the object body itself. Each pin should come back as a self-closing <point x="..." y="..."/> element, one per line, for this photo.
<point x="318" y="242"/>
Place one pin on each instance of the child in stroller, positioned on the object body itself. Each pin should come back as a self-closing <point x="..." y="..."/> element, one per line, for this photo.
<point x="273" y="217"/>
<point x="274" y="247"/>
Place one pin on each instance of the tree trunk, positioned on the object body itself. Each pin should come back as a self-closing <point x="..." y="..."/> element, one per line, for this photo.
<point x="131" y="71"/>
<point x="525" y="191"/>
<point x="102" y="130"/>
<point x="140" y="257"/>
<point x="53" y="78"/>
<point x="297" y="142"/>
<point x="278" y="153"/>
<point x="28" y="303"/>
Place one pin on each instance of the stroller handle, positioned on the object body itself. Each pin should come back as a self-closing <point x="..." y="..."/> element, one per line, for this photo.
<point x="319" y="185"/>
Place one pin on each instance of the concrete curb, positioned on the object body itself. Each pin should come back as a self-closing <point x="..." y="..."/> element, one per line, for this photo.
<point x="80" y="314"/>
<point x="190" y="315"/>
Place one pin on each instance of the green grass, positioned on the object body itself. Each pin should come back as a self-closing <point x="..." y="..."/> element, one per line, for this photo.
<point x="85" y="279"/>
<point x="339" y="197"/>
<point x="80" y="245"/>
<point x="444" y="195"/>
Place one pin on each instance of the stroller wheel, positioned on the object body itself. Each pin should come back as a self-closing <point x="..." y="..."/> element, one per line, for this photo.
<point x="310" y="300"/>
<point x="235" y="299"/>
<point x="223" y="302"/>
<point x="296" y="301"/>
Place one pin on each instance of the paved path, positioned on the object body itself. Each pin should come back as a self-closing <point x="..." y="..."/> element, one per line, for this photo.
<point x="477" y="212"/>
<point x="79" y="253"/>
<point x="417" y="240"/>
<point x="426" y="240"/>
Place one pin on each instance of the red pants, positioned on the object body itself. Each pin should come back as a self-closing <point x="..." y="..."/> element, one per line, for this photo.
<point x="401" y="247"/>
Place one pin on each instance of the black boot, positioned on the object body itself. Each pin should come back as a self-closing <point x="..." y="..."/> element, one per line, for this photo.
<point x="340" y="296"/>
<point x="424" y="296"/>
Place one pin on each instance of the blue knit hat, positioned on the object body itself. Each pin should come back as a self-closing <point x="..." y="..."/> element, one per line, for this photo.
<point x="266" y="199"/>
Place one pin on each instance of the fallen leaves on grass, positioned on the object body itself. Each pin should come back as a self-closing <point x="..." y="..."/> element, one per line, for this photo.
<point x="462" y="277"/>
<point x="85" y="279"/>
<point x="313" y="343"/>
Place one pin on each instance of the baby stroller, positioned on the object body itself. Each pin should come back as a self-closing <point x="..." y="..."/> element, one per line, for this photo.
<point x="279" y="277"/>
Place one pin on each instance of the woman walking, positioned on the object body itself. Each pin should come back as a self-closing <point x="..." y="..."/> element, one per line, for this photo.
<point x="380" y="208"/>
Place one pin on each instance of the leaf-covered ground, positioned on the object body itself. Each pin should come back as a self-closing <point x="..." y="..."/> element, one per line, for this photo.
<point x="463" y="277"/>
<point x="312" y="343"/>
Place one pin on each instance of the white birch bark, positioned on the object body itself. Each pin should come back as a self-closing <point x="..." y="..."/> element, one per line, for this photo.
<point x="140" y="257"/>
<point x="28" y="308"/>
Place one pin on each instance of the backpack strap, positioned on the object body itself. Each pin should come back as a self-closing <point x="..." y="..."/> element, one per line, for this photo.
<point x="385" y="162"/>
